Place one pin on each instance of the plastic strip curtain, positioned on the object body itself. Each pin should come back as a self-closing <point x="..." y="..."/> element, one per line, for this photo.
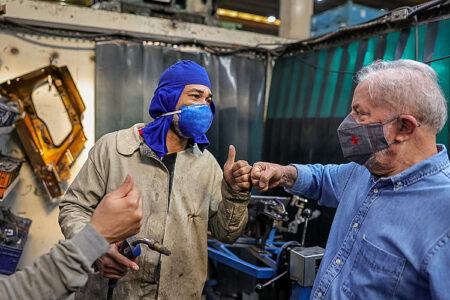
<point x="307" y="102"/>
<point x="127" y="74"/>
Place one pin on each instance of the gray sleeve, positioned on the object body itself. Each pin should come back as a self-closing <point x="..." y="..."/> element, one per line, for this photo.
<point x="61" y="271"/>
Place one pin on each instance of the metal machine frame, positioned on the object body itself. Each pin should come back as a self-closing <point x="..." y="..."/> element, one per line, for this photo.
<point x="301" y="266"/>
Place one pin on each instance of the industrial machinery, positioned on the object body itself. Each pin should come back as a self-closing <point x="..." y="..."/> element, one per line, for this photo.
<point x="264" y="257"/>
<point x="193" y="11"/>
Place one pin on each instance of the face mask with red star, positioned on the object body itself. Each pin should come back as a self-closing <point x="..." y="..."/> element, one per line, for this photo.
<point x="360" y="142"/>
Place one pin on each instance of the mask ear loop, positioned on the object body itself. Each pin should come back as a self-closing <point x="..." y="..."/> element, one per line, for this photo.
<point x="169" y="114"/>
<point x="394" y="118"/>
<point x="175" y="112"/>
<point x="390" y="120"/>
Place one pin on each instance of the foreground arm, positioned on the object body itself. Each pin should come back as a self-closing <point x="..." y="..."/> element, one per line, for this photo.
<point x="65" y="268"/>
<point x="61" y="271"/>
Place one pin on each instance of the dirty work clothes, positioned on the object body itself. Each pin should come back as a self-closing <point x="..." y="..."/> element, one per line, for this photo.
<point x="200" y="199"/>
<point x="390" y="237"/>
<point x="57" y="273"/>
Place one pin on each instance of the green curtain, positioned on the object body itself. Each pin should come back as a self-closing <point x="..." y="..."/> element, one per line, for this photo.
<point x="310" y="93"/>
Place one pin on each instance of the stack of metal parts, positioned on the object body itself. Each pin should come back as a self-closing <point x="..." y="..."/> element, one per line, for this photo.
<point x="9" y="171"/>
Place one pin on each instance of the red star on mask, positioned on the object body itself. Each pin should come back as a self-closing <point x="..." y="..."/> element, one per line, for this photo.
<point x="354" y="140"/>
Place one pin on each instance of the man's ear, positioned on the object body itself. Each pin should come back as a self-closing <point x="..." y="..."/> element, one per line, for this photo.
<point x="406" y="126"/>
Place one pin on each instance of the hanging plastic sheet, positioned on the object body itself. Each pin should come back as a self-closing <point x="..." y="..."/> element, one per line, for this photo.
<point x="127" y="74"/>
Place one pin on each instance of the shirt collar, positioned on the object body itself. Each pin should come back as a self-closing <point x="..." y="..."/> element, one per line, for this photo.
<point x="128" y="140"/>
<point x="427" y="167"/>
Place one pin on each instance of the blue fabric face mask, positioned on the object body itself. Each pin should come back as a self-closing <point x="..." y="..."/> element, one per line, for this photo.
<point x="193" y="120"/>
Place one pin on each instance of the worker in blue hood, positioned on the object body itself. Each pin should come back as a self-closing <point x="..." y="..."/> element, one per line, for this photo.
<point x="185" y="193"/>
<point x="182" y="100"/>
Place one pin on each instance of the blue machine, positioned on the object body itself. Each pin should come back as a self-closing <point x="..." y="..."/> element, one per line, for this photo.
<point x="275" y="259"/>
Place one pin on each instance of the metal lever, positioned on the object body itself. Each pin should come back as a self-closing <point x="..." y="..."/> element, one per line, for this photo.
<point x="306" y="213"/>
<point x="259" y="287"/>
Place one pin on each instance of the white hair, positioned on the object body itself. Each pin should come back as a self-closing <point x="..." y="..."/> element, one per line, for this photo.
<point x="407" y="87"/>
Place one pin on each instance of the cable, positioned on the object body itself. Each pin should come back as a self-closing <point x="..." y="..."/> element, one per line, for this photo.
<point x="324" y="69"/>
<point x="49" y="45"/>
<point x="436" y="59"/>
<point x="425" y="6"/>
<point x="54" y="32"/>
<point x="416" y="38"/>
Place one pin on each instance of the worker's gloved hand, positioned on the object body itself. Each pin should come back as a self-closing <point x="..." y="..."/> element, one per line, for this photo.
<point x="113" y="264"/>
<point x="237" y="174"/>
<point x="119" y="213"/>
<point x="267" y="176"/>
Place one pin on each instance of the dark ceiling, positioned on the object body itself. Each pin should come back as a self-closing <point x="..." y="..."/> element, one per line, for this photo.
<point x="271" y="7"/>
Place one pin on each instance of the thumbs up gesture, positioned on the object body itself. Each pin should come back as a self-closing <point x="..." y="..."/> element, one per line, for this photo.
<point x="119" y="213"/>
<point x="237" y="174"/>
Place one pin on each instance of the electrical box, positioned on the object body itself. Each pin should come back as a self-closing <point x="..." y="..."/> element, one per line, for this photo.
<point x="304" y="264"/>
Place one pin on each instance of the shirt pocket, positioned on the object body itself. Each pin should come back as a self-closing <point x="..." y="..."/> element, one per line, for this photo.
<point x="374" y="275"/>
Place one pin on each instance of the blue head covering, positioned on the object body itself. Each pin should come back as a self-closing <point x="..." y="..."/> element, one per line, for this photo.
<point x="171" y="85"/>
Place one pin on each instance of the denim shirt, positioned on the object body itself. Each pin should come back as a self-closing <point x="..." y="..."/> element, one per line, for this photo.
<point x="390" y="237"/>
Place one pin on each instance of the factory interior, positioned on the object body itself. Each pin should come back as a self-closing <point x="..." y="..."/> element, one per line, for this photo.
<point x="224" y="149"/>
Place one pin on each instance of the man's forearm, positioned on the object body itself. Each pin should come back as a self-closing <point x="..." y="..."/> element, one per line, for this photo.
<point x="61" y="271"/>
<point x="229" y="221"/>
<point x="289" y="176"/>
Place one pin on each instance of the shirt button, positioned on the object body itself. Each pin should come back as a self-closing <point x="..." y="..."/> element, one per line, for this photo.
<point x="319" y="294"/>
<point x="375" y="191"/>
<point x="338" y="261"/>
<point x="355" y="225"/>
<point x="399" y="183"/>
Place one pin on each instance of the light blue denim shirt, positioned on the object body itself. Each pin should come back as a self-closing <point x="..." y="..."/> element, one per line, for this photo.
<point x="390" y="237"/>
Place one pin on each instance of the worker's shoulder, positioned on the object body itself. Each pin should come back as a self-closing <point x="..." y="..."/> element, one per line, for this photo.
<point x="124" y="141"/>
<point x="209" y="156"/>
<point x="106" y="142"/>
<point x="206" y="159"/>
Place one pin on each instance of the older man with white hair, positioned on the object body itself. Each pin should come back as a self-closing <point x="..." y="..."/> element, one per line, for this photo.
<point x="390" y="237"/>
